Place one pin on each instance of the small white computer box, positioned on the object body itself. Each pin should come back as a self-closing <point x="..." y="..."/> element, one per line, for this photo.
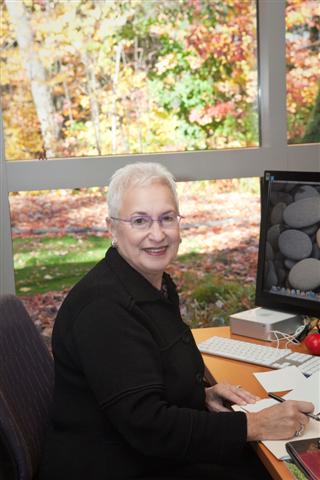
<point x="261" y="322"/>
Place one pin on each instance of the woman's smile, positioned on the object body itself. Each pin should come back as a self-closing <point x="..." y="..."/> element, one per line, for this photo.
<point x="155" y="251"/>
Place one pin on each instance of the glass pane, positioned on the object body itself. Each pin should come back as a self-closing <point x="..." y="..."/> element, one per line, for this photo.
<point x="84" y="78"/>
<point x="303" y="70"/>
<point x="59" y="235"/>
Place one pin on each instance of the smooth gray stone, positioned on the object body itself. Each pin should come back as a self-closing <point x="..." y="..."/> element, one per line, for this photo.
<point x="276" y="197"/>
<point x="277" y="213"/>
<point x="310" y="230"/>
<point x="269" y="251"/>
<point x="289" y="263"/>
<point x="303" y="213"/>
<point x="281" y="274"/>
<point x="278" y="263"/>
<point x="289" y="186"/>
<point x="273" y="236"/>
<point x="279" y="257"/>
<point x="277" y="187"/>
<point x="295" y="244"/>
<point x="305" y="275"/>
<point x="315" y="251"/>
<point x="305" y="191"/>
<point x="318" y="237"/>
<point x="271" y="277"/>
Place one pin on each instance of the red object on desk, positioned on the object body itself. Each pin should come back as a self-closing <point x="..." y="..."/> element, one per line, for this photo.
<point x="312" y="342"/>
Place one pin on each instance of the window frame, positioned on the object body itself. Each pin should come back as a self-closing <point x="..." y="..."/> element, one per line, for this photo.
<point x="273" y="152"/>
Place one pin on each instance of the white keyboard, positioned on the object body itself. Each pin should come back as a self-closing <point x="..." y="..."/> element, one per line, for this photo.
<point x="260" y="354"/>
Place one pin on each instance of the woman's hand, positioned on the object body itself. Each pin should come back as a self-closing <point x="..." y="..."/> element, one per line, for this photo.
<point x="278" y="422"/>
<point x="216" y="395"/>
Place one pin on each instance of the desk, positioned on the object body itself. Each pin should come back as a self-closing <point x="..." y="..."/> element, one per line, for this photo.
<point x="232" y="371"/>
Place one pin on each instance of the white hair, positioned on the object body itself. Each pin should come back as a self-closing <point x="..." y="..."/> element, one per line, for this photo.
<point x="137" y="175"/>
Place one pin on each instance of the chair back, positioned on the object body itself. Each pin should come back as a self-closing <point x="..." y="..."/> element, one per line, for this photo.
<point x="26" y="385"/>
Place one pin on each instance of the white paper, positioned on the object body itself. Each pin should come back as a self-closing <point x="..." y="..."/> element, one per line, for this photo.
<point x="259" y="405"/>
<point x="287" y="378"/>
<point x="309" y="393"/>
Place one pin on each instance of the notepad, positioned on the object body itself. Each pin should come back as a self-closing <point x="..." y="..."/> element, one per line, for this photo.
<point x="290" y="378"/>
<point x="281" y="380"/>
<point x="309" y="393"/>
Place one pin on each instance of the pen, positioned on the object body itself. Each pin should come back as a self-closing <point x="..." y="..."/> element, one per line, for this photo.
<point x="280" y="399"/>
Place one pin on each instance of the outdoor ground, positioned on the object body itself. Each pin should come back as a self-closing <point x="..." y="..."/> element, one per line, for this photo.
<point x="215" y="269"/>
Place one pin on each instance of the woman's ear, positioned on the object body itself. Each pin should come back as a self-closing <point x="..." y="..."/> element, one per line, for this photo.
<point x="111" y="229"/>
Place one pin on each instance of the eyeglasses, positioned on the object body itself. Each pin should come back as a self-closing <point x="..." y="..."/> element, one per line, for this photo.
<point x="144" y="222"/>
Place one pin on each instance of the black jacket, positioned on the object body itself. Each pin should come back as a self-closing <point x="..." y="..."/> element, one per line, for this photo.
<point x="129" y="397"/>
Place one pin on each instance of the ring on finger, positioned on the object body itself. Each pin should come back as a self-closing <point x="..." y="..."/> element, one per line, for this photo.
<point x="299" y="432"/>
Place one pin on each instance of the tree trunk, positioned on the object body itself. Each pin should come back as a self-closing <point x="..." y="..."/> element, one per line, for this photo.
<point x="36" y="74"/>
<point x="114" y="94"/>
<point x="94" y="106"/>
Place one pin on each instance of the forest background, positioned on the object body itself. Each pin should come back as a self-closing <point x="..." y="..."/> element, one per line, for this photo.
<point x="84" y="77"/>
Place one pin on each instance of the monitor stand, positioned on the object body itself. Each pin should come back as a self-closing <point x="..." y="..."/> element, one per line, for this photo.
<point x="260" y="323"/>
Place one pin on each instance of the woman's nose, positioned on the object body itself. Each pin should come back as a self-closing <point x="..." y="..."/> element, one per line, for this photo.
<point x="156" y="231"/>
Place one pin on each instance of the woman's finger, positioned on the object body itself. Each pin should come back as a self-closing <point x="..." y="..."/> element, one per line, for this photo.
<point x="245" y="395"/>
<point x="237" y="394"/>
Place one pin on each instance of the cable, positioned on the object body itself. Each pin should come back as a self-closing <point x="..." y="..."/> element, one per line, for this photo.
<point x="294" y="338"/>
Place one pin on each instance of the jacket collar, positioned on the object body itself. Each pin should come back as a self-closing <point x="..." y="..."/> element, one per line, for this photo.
<point x="135" y="283"/>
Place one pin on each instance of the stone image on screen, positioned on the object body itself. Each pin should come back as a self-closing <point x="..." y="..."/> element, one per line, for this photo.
<point x="292" y="261"/>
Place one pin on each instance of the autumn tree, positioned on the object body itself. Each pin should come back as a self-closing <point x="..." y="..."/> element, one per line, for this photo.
<point x="36" y="74"/>
<point x="139" y="76"/>
<point x="303" y="78"/>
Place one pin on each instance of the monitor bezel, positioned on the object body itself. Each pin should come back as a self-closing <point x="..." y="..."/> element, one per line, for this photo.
<point x="263" y="298"/>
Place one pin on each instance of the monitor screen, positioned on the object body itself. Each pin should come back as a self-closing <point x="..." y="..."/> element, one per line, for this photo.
<point x="288" y="274"/>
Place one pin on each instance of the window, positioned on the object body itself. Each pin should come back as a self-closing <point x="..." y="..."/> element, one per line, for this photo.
<point x="93" y="78"/>
<point x="303" y="73"/>
<point x="188" y="165"/>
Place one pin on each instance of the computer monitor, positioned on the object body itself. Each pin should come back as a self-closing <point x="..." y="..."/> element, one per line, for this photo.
<point x="288" y="273"/>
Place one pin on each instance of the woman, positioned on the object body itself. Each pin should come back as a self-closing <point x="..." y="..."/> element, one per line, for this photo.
<point x="129" y="399"/>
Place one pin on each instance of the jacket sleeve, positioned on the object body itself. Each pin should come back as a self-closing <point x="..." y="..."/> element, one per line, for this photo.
<point x="122" y="364"/>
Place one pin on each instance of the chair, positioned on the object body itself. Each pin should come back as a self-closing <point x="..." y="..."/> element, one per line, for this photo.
<point x="26" y="383"/>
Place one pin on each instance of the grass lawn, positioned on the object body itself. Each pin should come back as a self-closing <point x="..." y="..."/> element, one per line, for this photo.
<point x="45" y="264"/>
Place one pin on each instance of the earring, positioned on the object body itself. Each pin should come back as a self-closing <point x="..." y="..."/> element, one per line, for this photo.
<point x="114" y="243"/>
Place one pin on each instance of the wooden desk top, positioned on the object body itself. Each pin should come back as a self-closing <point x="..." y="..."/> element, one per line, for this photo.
<point x="232" y="371"/>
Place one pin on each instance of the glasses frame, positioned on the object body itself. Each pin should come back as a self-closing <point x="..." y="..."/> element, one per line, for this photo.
<point x="151" y="220"/>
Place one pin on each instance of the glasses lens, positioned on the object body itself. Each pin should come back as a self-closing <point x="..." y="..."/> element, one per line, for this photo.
<point x="140" y="222"/>
<point x="169" y="220"/>
<point x="143" y="222"/>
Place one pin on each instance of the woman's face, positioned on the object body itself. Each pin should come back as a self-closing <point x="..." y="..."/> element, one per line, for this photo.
<point x="148" y="251"/>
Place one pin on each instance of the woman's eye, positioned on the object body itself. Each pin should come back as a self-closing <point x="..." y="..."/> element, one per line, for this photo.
<point x="139" y="220"/>
<point x="169" y="218"/>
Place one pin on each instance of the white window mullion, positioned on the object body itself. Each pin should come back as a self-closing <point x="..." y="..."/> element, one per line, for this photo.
<point x="7" y="284"/>
<point x="272" y="49"/>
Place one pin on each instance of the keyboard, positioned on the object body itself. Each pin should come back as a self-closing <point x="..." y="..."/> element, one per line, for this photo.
<point x="260" y="354"/>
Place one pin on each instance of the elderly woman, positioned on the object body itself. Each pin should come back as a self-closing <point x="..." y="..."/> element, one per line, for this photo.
<point x="129" y="400"/>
